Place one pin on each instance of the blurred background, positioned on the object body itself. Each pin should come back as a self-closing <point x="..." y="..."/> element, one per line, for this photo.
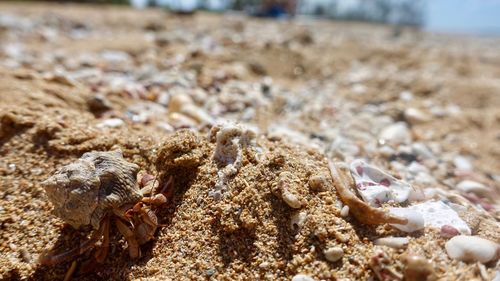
<point x="468" y="16"/>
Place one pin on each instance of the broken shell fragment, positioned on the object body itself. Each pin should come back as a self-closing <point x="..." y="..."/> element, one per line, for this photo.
<point x="376" y="187"/>
<point x="415" y="219"/>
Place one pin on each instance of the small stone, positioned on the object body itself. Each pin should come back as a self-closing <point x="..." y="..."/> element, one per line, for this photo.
<point x="333" y="254"/>
<point x="415" y="116"/>
<point x="210" y="272"/>
<point x="344" y="212"/>
<point x="11" y="168"/>
<point x="421" y="151"/>
<point x="317" y="182"/>
<point x="396" y="134"/>
<point x="264" y="265"/>
<point x="448" y="231"/>
<point x="418" y="269"/>
<point x="474" y="187"/>
<point x="462" y="163"/>
<point x="392" y="242"/>
<point x="99" y="103"/>
<point x="415" y="219"/>
<point x="472" y="249"/>
<point x="111" y="123"/>
<point x="302" y="277"/>
<point x="290" y="199"/>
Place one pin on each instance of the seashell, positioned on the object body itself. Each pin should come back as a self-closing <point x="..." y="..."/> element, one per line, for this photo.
<point x="83" y="192"/>
<point x="392" y="242"/>
<point x="472" y="249"/>
<point x="376" y="186"/>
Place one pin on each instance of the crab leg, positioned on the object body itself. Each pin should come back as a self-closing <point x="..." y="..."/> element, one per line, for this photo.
<point x="70" y="254"/>
<point x="133" y="246"/>
<point x="161" y="197"/>
<point x="102" y="252"/>
<point x="363" y="212"/>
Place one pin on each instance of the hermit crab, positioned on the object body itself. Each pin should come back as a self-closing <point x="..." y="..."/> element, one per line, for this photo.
<point x="97" y="189"/>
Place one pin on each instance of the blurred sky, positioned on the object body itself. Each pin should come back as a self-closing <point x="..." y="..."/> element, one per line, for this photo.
<point x="461" y="16"/>
<point x="464" y="16"/>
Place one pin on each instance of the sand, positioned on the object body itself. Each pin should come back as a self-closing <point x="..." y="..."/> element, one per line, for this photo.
<point x="251" y="232"/>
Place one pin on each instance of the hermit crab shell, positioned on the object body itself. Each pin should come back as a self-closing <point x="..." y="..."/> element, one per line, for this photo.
<point x="84" y="191"/>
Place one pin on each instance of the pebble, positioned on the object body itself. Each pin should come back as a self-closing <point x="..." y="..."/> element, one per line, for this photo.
<point x="395" y="134"/>
<point x="333" y="254"/>
<point x="474" y="187"/>
<point x="415" y="219"/>
<point x="472" y="249"/>
<point x="415" y="116"/>
<point x="421" y="151"/>
<point x="418" y="268"/>
<point x="290" y="199"/>
<point x="448" y="231"/>
<point x="302" y="277"/>
<point x="392" y="242"/>
<point x="462" y="163"/>
<point x="111" y="123"/>
<point x="318" y="182"/>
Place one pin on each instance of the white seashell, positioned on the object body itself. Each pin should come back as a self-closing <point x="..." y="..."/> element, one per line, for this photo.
<point x="333" y="254"/>
<point x="302" y="277"/>
<point x="474" y="187"/>
<point x="415" y="219"/>
<point x="472" y="249"/>
<point x="396" y="133"/>
<point x="393" y="242"/>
